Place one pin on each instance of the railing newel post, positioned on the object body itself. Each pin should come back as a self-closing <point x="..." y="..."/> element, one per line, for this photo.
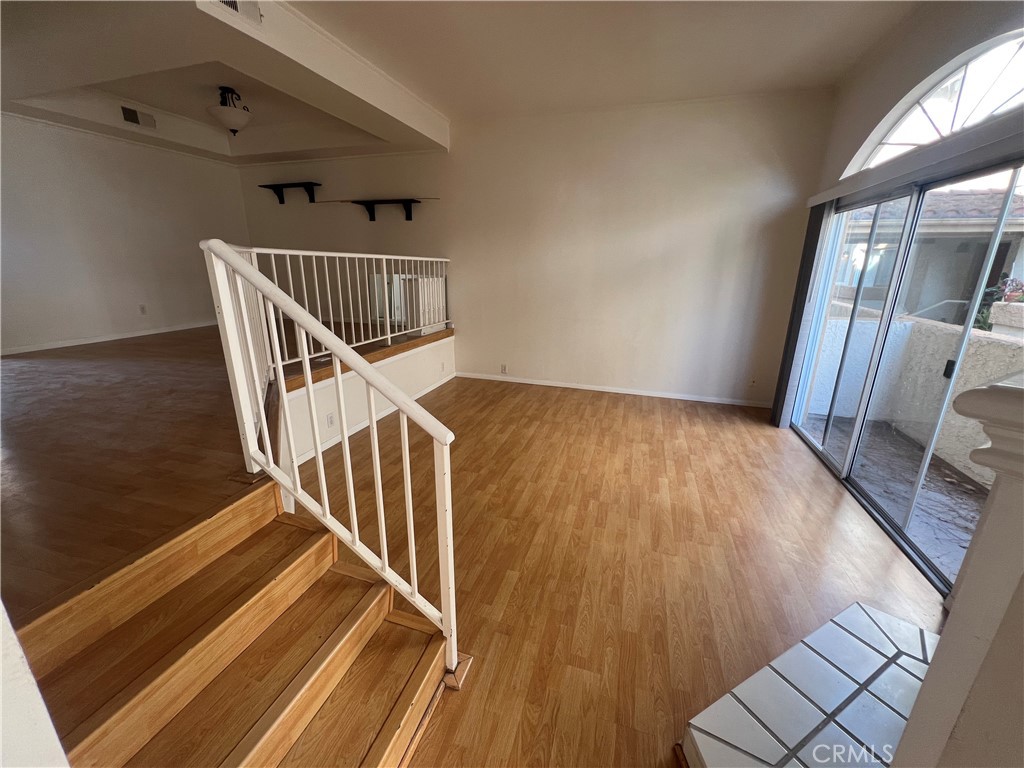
<point x="230" y="336"/>
<point x="445" y="547"/>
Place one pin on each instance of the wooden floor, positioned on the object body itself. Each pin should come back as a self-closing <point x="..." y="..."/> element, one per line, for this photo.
<point x="106" y="448"/>
<point x="621" y="561"/>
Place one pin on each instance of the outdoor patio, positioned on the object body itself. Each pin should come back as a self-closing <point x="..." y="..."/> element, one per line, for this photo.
<point x="950" y="502"/>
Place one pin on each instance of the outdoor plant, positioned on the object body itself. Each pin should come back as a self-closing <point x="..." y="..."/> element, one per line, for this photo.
<point x="1008" y="289"/>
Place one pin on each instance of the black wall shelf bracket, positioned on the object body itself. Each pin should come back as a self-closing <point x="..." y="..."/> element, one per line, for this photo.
<point x="278" y="189"/>
<point x="371" y="206"/>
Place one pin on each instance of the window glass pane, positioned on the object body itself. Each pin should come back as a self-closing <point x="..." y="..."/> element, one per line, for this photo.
<point x="946" y="265"/>
<point x="955" y="488"/>
<point x="981" y="74"/>
<point x="887" y="152"/>
<point x="1014" y="101"/>
<point x="1009" y="82"/>
<point x="915" y="128"/>
<point x="853" y="229"/>
<point x="878" y="271"/>
<point x="940" y="104"/>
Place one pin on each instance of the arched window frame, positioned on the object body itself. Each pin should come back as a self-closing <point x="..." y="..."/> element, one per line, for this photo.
<point x="904" y="106"/>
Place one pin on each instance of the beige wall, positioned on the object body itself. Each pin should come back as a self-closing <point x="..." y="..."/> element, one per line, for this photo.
<point x="333" y="226"/>
<point x="651" y="249"/>
<point x="93" y="227"/>
<point x="927" y="39"/>
<point x="988" y="731"/>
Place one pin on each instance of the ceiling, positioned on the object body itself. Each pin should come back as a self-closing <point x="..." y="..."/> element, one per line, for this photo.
<point x="505" y="58"/>
<point x="279" y="121"/>
<point x="79" y="63"/>
<point x="188" y="91"/>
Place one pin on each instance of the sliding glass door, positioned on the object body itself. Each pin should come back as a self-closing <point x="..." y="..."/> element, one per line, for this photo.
<point x="862" y="248"/>
<point x="913" y="307"/>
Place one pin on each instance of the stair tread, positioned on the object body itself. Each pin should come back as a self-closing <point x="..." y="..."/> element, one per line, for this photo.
<point x="346" y="725"/>
<point x="82" y="684"/>
<point x="207" y="730"/>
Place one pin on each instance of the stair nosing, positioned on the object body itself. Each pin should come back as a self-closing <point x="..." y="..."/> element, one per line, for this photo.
<point x="364" y="618"/>
<point x="45" y="655"/>
<point x="416" y="695"/>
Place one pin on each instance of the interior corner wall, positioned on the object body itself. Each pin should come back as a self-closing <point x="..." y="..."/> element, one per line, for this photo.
<point x="93" y="227"/>
<point x="927" y="39"/>
<point x="650" y="249"/>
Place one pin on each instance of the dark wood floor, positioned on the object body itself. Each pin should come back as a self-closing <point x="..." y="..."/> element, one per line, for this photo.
<point x="106" y="448"/>
<point x="621" y="561"/>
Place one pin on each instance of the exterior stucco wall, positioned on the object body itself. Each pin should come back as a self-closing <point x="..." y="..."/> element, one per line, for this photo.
<point x="989" y="357"/>
<point x="910" y="385"/>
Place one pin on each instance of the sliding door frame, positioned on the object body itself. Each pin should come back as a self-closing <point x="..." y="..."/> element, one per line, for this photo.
<point x="824" y="258"/>
<point x="895" y="283"/>
<point x="965" y="336"/>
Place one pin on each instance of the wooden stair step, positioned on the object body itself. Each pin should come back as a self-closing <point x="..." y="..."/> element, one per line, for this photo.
<point x="58" y="632"/>
<point x="375" y="710"/>
<point x="208" y="731"/>
<point x="112" y="697"/>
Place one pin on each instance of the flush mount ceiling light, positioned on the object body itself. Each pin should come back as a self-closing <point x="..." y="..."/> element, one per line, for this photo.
<point x="228" y="113"/>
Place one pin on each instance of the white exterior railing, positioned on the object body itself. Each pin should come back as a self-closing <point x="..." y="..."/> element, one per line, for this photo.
<point x="254" y="315"/>
<point x="362" y="298"/>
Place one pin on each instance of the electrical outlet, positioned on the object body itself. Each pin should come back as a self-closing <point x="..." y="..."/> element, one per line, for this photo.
<point x="504" y="368"/>
<point x="442" y="366"/>
<point x="142" y="309"/>
<point x="330" y="420"/>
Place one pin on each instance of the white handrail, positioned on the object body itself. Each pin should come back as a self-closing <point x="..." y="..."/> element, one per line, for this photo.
<point x="332" y="343"/>
<point x="248" y="304"/>
<point x="339" y="254"/>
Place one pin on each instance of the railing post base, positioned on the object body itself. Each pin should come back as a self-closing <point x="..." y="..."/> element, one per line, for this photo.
<point x="455" y="680"/>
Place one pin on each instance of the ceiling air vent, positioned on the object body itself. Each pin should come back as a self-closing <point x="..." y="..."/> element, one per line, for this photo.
<point x="246" y="9"/>
<point x="142" y="119"/>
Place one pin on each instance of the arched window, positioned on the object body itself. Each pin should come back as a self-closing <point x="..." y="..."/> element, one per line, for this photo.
<point x="912" y="290"/>
<point x="990" y="84"/>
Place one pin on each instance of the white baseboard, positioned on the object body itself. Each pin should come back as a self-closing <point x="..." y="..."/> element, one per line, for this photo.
<point x="618" y="390"/>
<point x="98" y="339"/>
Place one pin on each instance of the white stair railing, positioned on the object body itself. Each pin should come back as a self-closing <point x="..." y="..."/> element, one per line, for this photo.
<point x="362" y="298"/>
<point x="254" y="314"/>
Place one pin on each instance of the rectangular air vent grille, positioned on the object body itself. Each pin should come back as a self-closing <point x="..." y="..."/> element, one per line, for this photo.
<point x="141" y="119"/>
<point x="247" y="9"/>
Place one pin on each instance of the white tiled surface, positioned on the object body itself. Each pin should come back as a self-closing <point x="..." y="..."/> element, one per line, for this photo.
<point x="834" y="748"/>
<point x="822" y="683"/>
<point x="731" y="723"/>
<point x="840" y="697"/>
<point x="872" y="723"/>
<point x="855" y="657"/>
<point x="905" y="635"/>
<point x="715" y="752"/>
<point x="787" y="713"/>
<point x="913" y="666"/>
<point x="857" y="621"/>
<point x="897" y="688"/>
